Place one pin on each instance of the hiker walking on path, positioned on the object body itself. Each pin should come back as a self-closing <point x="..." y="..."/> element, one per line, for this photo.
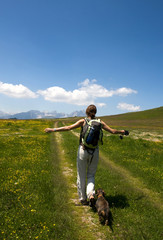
<point x="88" y="151"/>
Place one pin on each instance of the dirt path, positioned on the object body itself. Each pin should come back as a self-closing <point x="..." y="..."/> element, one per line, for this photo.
<point x="83" y="214"/>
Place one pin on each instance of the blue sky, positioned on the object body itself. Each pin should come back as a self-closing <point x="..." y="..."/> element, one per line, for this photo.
<point x="62" y="55"/>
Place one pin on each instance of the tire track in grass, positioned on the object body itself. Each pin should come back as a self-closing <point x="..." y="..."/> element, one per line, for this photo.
<point x="82" y="214"/>
<point x="152" y="196"/>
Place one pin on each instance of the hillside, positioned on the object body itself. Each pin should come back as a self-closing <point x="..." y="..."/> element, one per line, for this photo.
<point x="151" y="119"/>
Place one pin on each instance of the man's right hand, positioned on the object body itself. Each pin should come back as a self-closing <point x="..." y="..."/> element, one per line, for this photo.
<point x="48" y="130"/>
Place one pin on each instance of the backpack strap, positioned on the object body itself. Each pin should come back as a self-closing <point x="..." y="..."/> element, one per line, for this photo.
<point x="87" y="120"/>
<point x="82" y="128"/>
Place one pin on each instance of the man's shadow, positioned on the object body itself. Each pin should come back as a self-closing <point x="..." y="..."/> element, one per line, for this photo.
<point x="117" y="201"/>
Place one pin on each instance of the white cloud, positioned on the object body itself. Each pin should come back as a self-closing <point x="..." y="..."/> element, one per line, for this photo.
<point x="58" y="94"/>
<point x="87" y="93"/>
<point x="123" y="91"/>
<point x="16" y="91"/>
<point x="94" y="90"/>
<point x="128" y="107"/>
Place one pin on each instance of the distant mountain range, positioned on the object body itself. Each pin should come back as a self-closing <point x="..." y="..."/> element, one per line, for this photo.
<point x="34" y="114"/>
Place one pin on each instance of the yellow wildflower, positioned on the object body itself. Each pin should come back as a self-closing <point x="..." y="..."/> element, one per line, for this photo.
<point x="33" y="210"/>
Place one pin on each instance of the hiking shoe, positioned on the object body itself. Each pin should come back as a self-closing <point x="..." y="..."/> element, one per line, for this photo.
<point x="84" y="202"/>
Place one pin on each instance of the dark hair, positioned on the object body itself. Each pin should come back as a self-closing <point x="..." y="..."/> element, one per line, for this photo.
<point x="91" y="111"/>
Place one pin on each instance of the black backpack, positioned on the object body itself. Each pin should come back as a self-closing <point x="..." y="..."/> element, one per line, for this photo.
<point x="91" y="133"/>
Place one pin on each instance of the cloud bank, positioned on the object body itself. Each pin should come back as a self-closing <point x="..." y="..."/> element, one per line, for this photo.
<point x="87" y="92"/>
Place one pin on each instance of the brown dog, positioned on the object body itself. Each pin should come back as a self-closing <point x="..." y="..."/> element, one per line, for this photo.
<point x="102" y="207"/>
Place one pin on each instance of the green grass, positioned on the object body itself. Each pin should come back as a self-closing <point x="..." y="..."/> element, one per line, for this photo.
<point x="142" y="158"/>
<point x="35" y="193"/>
<point x="135" y="214"/>
<point x="26" y="182"/>
<point x="32" y="190"/>
<point x="66" y="225"/>
<point x="134" y="217"/>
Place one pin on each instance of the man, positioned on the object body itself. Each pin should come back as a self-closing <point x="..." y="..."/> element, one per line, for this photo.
<point x="87" y="158"/>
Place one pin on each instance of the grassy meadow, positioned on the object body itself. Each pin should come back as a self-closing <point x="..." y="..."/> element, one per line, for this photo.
<point x="38" y="196"/>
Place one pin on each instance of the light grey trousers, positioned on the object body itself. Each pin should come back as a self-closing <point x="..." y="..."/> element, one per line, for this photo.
<point x="86" y="169"/>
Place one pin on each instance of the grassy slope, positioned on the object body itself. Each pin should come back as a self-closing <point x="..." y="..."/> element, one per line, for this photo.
<point x="149" y="119"/>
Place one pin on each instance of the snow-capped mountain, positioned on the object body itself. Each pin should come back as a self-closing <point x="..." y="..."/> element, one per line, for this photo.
<point x="35" y="114"/>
